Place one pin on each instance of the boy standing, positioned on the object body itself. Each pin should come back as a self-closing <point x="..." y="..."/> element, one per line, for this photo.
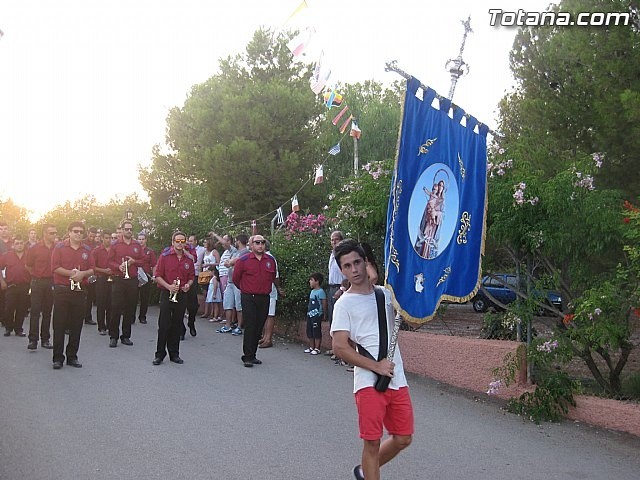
<point x="355" y="319"/>
<point x="316" y="313"/>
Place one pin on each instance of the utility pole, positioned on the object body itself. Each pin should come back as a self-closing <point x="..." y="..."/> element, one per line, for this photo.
<point x="456" y="66"/>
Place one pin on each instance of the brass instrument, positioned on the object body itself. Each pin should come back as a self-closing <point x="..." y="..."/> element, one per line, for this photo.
<point x="173" y="297"/>
<point x="75" y="285"/>
<point x="126" y="269"/>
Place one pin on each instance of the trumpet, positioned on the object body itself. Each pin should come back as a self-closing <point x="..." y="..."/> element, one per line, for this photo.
<point x="173" y="297"/>
<point x="74" y="285"/>
<point x="126" y="269"/>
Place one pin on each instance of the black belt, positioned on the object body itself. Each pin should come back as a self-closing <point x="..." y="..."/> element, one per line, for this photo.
<point x="334" y="285"/>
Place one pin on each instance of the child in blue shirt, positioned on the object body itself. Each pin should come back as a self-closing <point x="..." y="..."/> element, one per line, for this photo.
<point x="316" y="313"/>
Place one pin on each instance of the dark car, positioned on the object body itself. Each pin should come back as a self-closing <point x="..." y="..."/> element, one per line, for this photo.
<point x="494" y="285"/>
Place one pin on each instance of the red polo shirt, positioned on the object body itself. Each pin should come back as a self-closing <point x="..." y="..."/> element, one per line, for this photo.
<point x="39" y="260"/>
<point x="65" y="256"/>
<point x="119" y="250"/>
<point x="100" y="256"/>
<point x="16" y="272"/>
<point x="148" y="259"/>
<point x="170" y="268"/>
<point x="254" y="276"/>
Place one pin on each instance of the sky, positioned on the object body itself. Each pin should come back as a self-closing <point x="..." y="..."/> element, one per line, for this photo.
<point x="85" y="87"/>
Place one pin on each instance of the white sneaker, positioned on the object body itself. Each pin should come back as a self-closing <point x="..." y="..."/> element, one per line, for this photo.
<point x="308" y="350"/>
<point x="315" y="351"/>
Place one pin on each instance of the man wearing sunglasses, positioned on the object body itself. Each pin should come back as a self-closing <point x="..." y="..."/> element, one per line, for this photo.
<point x="125" y="256"/>
<point x="175" y="274"/>
<point x="72" y="264"/>
<point x="39" y="264"/>
<point x="254" y="273"/>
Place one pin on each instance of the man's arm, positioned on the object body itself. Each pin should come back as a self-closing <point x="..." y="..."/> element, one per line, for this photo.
<point x="345" y="352"/>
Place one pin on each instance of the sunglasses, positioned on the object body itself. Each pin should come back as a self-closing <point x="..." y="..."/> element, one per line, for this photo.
<point x="180" y="241"/>
<point x="77" y="231"/>
<point x="259" y="242"/>
<point x="127" y="229"/>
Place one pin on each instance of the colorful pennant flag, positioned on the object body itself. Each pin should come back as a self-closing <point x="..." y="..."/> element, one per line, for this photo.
<point x="346" y="124"/>
<point x="320" y="76"/>
<point x="319" y="175"/>
<point x="339" y="116"/>
<point x="298" y="9"/>
<point x="280" y="216"/>
<point x="298" y="44"/>
<point x="332" y="99"/>
<point x="335" y="149"/>
<point x="294" y="204"/>
<point x="355" y="131"/>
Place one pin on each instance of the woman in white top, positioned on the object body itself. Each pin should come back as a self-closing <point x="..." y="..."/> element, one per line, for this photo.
<point x="209" y="263"/>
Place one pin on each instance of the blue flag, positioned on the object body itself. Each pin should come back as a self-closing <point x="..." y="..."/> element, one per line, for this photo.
<point x="436" y="214"/>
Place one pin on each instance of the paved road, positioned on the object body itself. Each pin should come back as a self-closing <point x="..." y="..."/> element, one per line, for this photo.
<point x="119" y="417"/>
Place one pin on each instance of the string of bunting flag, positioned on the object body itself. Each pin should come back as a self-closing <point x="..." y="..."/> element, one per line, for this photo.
<point x="299" y="46"/>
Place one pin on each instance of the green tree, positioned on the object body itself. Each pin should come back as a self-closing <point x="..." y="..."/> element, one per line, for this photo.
<point x="245" y="133"/>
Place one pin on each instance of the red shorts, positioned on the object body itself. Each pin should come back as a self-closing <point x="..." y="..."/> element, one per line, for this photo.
<point x="391" y="409"/>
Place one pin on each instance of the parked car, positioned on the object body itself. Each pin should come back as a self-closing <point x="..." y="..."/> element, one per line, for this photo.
<point x="481" y="302"/>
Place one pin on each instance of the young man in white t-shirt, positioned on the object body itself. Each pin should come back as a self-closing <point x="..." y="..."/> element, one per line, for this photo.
<point x="355" y="321"/>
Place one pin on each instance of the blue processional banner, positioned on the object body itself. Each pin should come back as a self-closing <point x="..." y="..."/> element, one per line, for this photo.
<point x="436" y="214"/>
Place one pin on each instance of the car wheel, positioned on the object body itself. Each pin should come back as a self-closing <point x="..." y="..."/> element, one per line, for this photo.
<point x="480" y="305"/>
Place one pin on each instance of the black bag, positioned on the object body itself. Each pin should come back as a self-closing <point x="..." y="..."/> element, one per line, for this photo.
<point x="382" y="382"/>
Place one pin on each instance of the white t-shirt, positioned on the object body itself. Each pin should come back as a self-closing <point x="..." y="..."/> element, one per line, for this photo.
<point x="358" y="314"/>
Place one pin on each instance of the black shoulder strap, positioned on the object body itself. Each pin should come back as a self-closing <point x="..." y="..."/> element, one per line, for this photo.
<point x="382" y="323"/>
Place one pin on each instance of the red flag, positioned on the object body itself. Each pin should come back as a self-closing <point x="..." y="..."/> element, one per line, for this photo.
<point x="346" y="124"/>
<point x="339" y="116"/>
<point x="319" y="175"/>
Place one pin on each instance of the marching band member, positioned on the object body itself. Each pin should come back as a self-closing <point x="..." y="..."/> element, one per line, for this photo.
<point x="175" y="274"/>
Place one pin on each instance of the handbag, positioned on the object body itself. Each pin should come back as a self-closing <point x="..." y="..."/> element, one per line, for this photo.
<point x="382" y="381"/>
<point x="204" y="277"/>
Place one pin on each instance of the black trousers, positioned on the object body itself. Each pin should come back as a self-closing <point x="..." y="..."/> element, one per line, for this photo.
<point x="191" y="307"/>
<point x="124" y="299"/>
<point x="16" y="303"/>
<point x="143" y="292"/>
<point x="91" y="298"/>
<point x="41" y="303"/>
<point x="170" y="324"/>
<point x="103" y="302"/>
<point x="68" y="311"/>
<point x="255" y="309"/>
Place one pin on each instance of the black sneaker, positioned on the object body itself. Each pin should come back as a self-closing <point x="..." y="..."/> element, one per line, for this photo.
<point x="46" y="344"/>
<point x="57" y="365"/>
<point x="357" y="474"/>
<point x="32" y="345"/>
<point x="113" y="342"/>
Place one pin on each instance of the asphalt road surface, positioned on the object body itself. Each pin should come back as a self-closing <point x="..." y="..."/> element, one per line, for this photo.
<point x="119" y="417"/>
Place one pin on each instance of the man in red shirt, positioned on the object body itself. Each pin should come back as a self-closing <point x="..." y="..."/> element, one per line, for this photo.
<point x="148" y="262"/>
<point x="71" y="264"/>
<point x="125" y="255"/>
<point x="254" y="273"/>
<point x="5" y="246"/>
<point x="91" y="240"/>
<point x="39" y="264"/>
<point x="175" y="272"/>
<point x="16" y="287"/>
<point x="103" y="283"/>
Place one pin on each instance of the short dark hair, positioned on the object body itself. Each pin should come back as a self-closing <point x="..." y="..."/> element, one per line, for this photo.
<point x="47" y="226"/>
<point x="106" y="231"/>
<point x="318" y="277"/>
<point x="73" y="225"/>
<point x="124" y="222"/>
<point x="176" y="233"/>
<point x="92" y="230"/>
<point x="18" y="237"/>
<point x="347" y="246"/>
<point x="243" y="238"/>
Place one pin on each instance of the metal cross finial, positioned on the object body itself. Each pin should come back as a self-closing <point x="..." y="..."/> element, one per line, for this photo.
<point x="456" y="66"/>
